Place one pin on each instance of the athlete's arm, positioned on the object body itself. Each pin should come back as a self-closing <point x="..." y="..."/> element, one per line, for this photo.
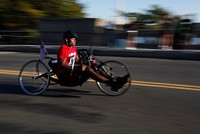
<point x="62" y="64"/>
<point x="77" y="59"/>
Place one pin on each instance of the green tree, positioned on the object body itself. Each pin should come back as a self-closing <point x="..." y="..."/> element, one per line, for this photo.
<point x="59" y="9"/>
<point x="154" y="14"/>
<point x="21" y="14"/>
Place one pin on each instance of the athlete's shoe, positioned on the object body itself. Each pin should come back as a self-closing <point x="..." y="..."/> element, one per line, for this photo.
<point x="120" y="83"/>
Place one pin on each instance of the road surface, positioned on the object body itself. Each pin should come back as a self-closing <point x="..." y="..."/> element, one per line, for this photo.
<point x="164" y="98"/>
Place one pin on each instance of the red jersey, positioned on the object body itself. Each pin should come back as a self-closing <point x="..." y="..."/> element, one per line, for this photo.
<point x="69" y="53"/>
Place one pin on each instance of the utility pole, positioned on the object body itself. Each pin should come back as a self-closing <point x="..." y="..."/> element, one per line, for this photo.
<point x="120" y="5"/>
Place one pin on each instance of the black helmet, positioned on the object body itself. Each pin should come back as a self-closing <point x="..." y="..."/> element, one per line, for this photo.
<point x="69" y="34"/>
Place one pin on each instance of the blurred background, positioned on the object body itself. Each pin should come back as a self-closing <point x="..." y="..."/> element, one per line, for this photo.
<point x="154" y="27"/>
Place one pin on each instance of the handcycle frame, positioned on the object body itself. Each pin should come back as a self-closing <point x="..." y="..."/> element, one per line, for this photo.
<point x="35" y="76"/>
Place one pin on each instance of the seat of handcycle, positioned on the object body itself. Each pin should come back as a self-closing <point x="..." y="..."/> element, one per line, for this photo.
<point x="53" y="64"/>
<point x="77" y="79"/>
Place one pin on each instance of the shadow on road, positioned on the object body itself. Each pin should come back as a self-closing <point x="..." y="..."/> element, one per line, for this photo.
<point x="67" y="92"/>
<point x="51" y="92"/>
<point x="10" y="89"/>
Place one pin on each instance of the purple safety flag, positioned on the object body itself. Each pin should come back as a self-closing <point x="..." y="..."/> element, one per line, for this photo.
<point x="43" y="51"/>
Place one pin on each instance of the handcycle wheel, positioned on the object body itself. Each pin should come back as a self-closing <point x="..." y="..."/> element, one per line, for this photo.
<point x="84" y="56"/>
<point x="34" y="77"/>
<point x="114" y="69"/>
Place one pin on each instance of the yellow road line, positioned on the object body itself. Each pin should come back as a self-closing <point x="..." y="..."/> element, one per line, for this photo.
<point x="133" y="82"/>
<point x="166" y="84"/>
<point x="11" y="72"/>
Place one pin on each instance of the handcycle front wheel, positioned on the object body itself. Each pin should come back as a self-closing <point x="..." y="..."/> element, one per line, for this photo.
<point x="114" y="69"/>
<point x="34" y="77"/>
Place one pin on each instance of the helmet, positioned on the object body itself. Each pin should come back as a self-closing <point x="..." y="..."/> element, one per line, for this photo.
<point x="69" y="34"/>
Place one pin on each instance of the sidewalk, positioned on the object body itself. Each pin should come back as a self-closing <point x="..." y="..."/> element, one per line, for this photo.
<point x="114" y="51"/>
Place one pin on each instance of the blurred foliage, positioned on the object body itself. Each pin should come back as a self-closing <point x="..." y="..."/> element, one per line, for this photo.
<point x="22" y="14"/>
<point x="155" y="14"/>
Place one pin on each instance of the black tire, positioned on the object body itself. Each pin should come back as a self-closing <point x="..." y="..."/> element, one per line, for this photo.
<point x="34" y="77"/>
<point x="84" y="55"/>
<point x="114" y="69"/>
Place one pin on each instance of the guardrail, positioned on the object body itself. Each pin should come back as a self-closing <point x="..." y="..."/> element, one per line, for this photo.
<point x="16" y="37"/>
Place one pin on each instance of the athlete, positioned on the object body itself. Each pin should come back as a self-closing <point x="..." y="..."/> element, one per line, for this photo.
<point x="70" y="68"/>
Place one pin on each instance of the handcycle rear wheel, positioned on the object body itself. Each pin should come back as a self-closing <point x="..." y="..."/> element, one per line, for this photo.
<point x="114" y="69"/>
<point x="34" y="77"/>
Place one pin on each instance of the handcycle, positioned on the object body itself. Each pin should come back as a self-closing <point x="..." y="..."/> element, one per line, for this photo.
<point x="35" y="75"/>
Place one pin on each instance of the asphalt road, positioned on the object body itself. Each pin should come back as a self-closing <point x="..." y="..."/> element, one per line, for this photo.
<point x="164" y="98"/>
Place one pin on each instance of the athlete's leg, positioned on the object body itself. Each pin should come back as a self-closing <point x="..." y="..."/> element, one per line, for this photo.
<point x="94" y="75"/>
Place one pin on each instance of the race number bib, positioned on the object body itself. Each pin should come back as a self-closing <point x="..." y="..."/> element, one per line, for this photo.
<point x="72" y="59"/>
